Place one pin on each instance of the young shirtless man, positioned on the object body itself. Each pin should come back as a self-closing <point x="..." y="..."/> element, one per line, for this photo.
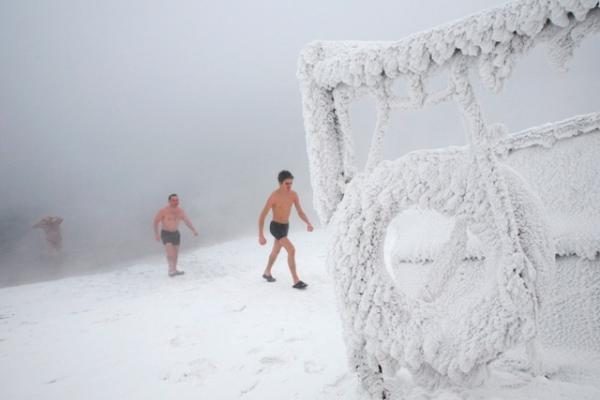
<point x="280" y="202"/>
<point x="169" y="217"/>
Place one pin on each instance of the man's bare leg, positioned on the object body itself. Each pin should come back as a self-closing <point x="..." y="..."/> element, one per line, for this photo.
<point x="176" y="257"/>
<point x="291" y="250"/>
<point x="171" y="257"/>
<point x="272" y="257"/>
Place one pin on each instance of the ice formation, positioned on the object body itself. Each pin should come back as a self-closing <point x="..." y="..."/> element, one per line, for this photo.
<point x="471" y="311"/>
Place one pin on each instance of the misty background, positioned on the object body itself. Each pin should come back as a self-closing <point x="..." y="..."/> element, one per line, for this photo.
<point x="108" y="107"/>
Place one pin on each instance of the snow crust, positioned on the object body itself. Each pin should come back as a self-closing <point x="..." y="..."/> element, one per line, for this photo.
<point x="512" y="193"/>
<point x="219" y="332"/>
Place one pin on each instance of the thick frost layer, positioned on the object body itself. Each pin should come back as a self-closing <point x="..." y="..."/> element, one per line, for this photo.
<point x="470" y="311"/>
<point x="556" y="162"/>
<point x="559" y="163"/>
<point x="437" y="339"/>
<point x="494" y="38"/>
<point x="332" y="74"/>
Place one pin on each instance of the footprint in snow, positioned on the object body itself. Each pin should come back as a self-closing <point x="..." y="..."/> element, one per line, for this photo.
<point x="196" y="370"/>
<point x="254" y="350"/>
<point x="312" y="367"/>
<point x="271" y="360"/>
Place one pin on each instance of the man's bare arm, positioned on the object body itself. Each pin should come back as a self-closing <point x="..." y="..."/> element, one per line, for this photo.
<point x="301" y="213"/>
<point x="41" y="223"/>
<point x="187" y="221"/>
<point x="261" y="219"/>
<point x="157" y="219"/>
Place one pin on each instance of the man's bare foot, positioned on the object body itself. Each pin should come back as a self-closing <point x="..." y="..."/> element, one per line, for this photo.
<point x="300" y="285"/>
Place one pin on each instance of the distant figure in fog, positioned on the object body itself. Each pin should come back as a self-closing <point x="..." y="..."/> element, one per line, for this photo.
<point x="169" y="217"/>
<point x="280" y="202"/>
<point x="51" y="228"/>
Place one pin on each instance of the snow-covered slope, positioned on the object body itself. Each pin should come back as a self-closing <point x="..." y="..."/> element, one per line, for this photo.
<point x="218" y="332"/>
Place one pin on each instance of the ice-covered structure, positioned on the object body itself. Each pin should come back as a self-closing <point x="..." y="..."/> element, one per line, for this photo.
<point x="511" y="192"/>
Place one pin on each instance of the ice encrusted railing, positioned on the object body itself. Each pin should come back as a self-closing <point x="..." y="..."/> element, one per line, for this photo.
<point x="437" y="340"/>
<point x="557" y="162"/>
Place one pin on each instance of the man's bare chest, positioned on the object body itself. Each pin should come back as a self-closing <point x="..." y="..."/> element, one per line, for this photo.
<point x="283" y="202"/>
<point x="171" y="215"/>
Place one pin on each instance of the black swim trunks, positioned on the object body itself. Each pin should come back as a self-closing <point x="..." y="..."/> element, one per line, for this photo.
<point x="170" y="237"/>
<point x="279" y="230"/>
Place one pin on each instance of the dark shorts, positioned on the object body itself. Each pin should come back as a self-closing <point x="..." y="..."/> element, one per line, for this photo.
<point x="170" y="237"/>
<point x="279" y="230"/>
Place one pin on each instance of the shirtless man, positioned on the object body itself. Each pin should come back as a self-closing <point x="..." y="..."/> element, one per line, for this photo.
<point x="51" y="228"/>
<point x="169" y="217"/>
<point x="280" y="202"/>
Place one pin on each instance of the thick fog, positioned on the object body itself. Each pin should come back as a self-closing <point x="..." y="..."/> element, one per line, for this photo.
<point x="108" y="107"/>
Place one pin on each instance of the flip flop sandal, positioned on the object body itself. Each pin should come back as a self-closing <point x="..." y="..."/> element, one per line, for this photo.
<point x="300" y="285"/>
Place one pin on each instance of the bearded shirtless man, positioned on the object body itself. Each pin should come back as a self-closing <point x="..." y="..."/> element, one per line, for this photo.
<point x="280" y="202"/>
<point x="169" y="217"/>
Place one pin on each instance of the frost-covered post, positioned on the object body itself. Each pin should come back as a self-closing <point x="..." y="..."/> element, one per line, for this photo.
<point x="382" y="99"/>
<point x="516" y="284"/>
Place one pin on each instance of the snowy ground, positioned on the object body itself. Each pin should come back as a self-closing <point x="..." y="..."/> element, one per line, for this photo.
<point x="218" y="332"/>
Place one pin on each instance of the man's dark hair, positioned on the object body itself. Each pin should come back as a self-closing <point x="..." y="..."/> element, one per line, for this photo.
<point x="283" y="175"/>
<point x="172" y="195"/>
